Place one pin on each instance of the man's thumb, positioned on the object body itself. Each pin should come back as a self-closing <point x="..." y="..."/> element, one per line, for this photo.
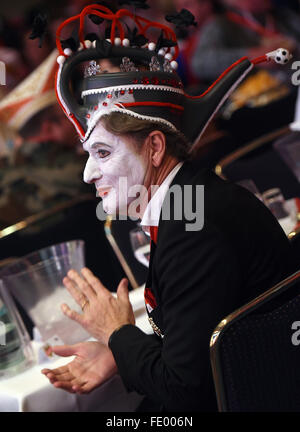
<point x="122" y="291"/>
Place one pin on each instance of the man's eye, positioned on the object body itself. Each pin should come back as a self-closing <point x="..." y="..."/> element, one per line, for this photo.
<point x="103" y="153"/>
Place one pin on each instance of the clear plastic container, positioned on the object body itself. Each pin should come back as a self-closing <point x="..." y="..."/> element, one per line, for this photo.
<point x="36" y="282"/>
<point x="16" y="353"/>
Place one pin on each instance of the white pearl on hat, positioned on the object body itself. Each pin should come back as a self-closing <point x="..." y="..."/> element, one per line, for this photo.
<point x="174" y="64"/>
<point x="80" y="48"/>
<point x="68" y="51"/>
<point x="61" y="59"/>
<point x="108" y="40"/>
<point x="126" y="42"/>
<point x="117" y="41"/>
<point x="162" y="52"/>
<point x="169" y="56"/>
<point x="87" y="43"/>
<point x="151" y="46"/>
<point x="94" y="44"/>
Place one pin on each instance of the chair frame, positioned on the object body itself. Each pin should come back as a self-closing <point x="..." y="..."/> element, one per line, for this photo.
<point x="31" y="220"/>
<point x="222" y="327"/>
<point x="248" y="148"/>
<point x="253" y="145"/>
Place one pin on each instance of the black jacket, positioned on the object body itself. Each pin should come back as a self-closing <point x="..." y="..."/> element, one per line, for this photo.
<point x="197" y="278"/>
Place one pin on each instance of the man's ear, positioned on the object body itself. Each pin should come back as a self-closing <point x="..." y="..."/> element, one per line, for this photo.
<point x="157" y="147"/>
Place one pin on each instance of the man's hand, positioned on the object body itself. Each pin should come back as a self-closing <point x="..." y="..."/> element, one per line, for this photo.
<point x="93" y="365"/>
<point x="102" y="312"/>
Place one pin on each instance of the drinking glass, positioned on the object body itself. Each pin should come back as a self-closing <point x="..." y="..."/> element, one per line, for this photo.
<point x="16" y="353"/>
<point x="140" y="243"/>
<point x="275" y="201"/>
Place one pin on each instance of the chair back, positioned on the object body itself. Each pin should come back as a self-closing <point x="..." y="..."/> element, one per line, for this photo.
<point x="255" y="353"/>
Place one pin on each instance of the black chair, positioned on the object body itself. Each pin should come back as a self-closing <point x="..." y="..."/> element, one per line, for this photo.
<point x="117" y="233"/>
<point x="255" y="353"/>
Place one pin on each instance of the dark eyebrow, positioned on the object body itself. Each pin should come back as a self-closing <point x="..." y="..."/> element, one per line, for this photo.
<point x="98" y="144"/>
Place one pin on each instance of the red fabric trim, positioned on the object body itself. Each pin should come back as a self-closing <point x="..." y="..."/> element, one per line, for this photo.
<point x="58" y="31"/>
<point x="57" y="96"/>
<point x="79" y="127"/>
<point x="70" y="116"/>
<point x="260" y="59"/>
<point x="218" y="79"/>
<point x="149" y="298"/>
<point x="153" y="233"/>
<point x="163" y="104"/>
<point x="107" y="14"/>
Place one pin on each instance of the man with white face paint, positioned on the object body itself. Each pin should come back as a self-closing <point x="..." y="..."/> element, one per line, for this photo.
<point x="111" y="158"/>
<point x="138" y="124"/>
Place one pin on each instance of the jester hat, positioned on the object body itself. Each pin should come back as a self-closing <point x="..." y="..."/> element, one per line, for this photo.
<point x="146" y="85"/>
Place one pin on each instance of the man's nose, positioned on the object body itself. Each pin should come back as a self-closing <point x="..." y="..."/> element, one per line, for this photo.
<point x="91" y="171"/>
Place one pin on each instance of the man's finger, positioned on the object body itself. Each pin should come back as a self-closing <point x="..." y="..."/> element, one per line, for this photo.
<point x="96" y="284"/>
<point x="73" y="315"/>
<point x="67" y="386"/>
<point x="64" y="351"/>
<point x="61" y="369"/>
<point x="82" y="284"/>
<point x="65" y="377"/>
<point x="77" y="294"/>
<point x="122" y="291"/>
<point x="77" y="383"/>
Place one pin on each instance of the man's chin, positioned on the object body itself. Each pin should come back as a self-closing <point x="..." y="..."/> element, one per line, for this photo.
<point x="113" y="211"/>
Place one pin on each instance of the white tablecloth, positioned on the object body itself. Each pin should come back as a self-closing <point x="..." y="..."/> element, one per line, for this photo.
<point x="31" y="390"/>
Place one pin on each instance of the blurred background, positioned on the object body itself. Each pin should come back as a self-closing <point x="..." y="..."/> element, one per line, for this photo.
<point x="253" y="140"/>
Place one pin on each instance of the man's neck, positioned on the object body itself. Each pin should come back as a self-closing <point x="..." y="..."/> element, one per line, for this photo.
<point x="156" y="178"/>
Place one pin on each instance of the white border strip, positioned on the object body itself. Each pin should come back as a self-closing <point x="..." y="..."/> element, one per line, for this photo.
<point x="132" y="87"/>
<point x="128" y="112"/>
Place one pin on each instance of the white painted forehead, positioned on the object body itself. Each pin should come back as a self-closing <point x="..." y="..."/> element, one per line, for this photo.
<point x="94" y="136"/>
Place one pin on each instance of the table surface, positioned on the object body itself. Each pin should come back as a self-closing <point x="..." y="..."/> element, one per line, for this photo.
<point x="31" y="390"/>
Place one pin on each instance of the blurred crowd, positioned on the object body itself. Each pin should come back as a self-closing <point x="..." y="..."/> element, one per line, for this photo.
<point x="41" y="161"/>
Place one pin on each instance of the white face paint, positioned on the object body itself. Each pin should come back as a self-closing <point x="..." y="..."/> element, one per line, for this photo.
<point x="110" y="158"/>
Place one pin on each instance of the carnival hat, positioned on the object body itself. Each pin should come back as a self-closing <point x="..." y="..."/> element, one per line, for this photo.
<point x="146" y="85"/>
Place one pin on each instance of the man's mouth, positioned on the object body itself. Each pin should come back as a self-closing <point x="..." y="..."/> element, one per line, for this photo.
<point x="102" y="191"/>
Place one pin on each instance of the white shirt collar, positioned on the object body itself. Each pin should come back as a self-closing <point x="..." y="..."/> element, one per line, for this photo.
<point x="152" y="212"/>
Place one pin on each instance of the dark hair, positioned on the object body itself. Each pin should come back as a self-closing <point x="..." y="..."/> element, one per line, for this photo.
<point x="138" y="130"/>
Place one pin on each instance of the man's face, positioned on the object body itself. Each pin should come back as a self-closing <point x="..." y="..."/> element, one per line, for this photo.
<point x="112" y="157"/>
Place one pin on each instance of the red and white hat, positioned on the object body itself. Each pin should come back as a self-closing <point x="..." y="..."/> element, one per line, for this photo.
<point x="146" y="85"/>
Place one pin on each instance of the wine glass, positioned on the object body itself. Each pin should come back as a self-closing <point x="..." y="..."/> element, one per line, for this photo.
<point x="140" y="243"/>
<point x="274" y="199"/>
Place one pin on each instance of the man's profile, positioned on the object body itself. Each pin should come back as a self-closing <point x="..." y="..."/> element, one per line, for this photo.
<point x="136" y="121"/>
